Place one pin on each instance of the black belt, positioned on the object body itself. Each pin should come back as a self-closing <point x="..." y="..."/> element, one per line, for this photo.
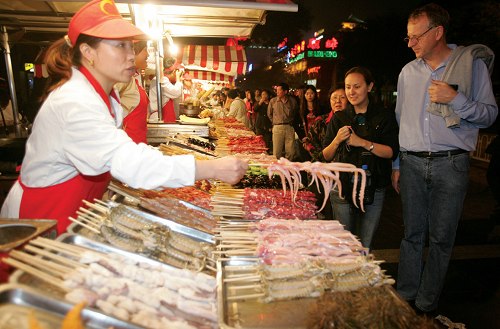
<point x="282" y="124"/>
<point x="439" y="154"/>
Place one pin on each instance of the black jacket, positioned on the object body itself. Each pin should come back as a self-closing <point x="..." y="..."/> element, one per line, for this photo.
<point x="378" y="125"/>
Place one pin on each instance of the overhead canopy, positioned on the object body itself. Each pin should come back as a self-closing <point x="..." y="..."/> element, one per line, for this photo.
<point x="45" y="21"/>
<point x="217" y="59"/>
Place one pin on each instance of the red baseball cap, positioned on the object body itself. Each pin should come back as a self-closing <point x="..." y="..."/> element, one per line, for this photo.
<point x="101" y="19"/>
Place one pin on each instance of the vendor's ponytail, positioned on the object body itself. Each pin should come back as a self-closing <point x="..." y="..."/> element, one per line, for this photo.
<point x="59" y="61"/>
<point x="61" y="57"/>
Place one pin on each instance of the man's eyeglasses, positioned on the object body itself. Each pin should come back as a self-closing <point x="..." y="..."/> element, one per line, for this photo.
<point x="417" y="38"/>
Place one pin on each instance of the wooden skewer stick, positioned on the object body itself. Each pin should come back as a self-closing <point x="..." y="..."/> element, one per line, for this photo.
<point x="93" y="214"/>
<point x="33" y="271"/>
<point x="63" y="247"/>
<point x="49" y="246"/>
<point x="210" y="268"/>
<point x="91" y="221"/>
<point x="68" y="263"/>
<point x="251" y="286"/>
<point x="242" y="297"/>
<point x="241" y="275"/>
<point x="103" y="203"/>
<point x="235" y="252"/>
<point x="95" y="206"/>
<point x="47" y="266"/>
<point x="93" y="229"/>
<point x="243" y="278"/>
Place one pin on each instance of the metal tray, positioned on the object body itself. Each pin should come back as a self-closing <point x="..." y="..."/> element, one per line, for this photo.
<point x="18" y="301"/>
<point x="174" y="226"/>
<point x="21" y="277"/>
<point x="290" y="314"/>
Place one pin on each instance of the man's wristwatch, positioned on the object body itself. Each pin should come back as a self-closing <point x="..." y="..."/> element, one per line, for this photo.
<point x="371" y="147"/>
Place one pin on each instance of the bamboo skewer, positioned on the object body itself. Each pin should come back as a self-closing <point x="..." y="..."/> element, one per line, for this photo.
<point x="79" y="222"/>
<point x="98" y="207"/>
<point x="63" y="247"/>
<point x="37" y="262"/>
<point x="91" y="213"/>
<point x="90" y="220"/>
<point x="247" y="278"/>
<point x="33" y="271"/>
<point x="59" y="259"/>
<point x="242" y="297"/>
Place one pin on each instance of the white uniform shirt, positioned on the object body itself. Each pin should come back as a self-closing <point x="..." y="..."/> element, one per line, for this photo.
<point x="168" y="91"/>
<point x="74" y="132"/>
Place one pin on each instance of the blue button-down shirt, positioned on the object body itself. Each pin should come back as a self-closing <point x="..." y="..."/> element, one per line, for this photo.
<point x="420" y="130"/>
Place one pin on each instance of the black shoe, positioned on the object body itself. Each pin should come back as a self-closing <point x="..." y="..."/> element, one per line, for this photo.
<point x="430" y="314"/>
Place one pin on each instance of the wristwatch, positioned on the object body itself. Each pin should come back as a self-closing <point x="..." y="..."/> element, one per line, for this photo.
<point x="371" y="147"/>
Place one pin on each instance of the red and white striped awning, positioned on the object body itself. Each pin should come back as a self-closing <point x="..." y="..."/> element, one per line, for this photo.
<point x="210" y="76"/>
<point x="41" y="71"/>
<point x="219" y="59"/>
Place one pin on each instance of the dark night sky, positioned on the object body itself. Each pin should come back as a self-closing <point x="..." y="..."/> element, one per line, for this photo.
<point x="329" y="14"/>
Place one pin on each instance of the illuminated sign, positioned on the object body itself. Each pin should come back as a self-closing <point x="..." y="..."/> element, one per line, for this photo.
<point x="297" y="58"/>
<point x="314" y="43"/>
<point x="331" y="43"/>
<point x="314" y="46"/>
<point x="322" y="54"/>
<point x="28" y="66"/>
<point x="312" y="70"/>
<point x="283" y="45"/>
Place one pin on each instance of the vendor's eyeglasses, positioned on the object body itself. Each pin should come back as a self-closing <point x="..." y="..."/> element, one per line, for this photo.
<point x="417" y="37"/>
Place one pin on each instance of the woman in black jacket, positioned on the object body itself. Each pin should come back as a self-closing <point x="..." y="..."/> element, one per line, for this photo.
<point x="364" y="135"/>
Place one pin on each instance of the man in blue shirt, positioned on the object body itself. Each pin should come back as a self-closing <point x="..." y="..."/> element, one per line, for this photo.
<point x="432" y="172"/>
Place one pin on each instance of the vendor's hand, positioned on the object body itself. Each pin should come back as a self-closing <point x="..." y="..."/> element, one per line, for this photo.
<point x="178" y="75"/>
<point x="228" y="169"/>
<point x="441" y="92"/>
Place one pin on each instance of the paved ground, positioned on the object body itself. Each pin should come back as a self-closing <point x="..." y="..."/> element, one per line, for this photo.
<point x="471" y="294"/>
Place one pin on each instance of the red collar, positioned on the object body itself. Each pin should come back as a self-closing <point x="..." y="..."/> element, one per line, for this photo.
<point x="97" y="86"/>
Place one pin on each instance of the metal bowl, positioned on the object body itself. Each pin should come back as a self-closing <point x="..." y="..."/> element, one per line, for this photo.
<point x="14" y="232"/>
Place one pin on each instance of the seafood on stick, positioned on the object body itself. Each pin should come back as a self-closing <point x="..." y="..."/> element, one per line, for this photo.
<point x="144" y="292"/>
<point x="326" y="174"/>
<point x="127" y="229"/>
<point x="254" y="204"/>
<point x="295" y="259"/>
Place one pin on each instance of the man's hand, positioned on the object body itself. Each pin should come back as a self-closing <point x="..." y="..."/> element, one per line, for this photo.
<point x="441" y="92"/>
<point x="395" y="179"/>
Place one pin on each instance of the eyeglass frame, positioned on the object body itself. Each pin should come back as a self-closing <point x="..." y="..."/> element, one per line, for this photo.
<point x="408" y="39"/>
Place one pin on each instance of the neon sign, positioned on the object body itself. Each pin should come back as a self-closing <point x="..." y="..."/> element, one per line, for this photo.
<point x="331" y="43"/>
<point x="314" y="43"/>
<point x="313" y="69"/>
<point x="283" y="45"/>
<point x="322" y="54"/>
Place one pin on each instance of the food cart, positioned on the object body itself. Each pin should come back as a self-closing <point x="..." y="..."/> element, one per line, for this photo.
<point x="224" y="307"/>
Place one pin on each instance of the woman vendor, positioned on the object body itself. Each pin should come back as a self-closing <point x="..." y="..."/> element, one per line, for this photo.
<point x="76" y="143"/>
<point x="134" y="99"/>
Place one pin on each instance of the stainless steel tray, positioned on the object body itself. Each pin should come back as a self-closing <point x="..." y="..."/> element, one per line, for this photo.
<point x="21" y="277"/>
<point x="290" y="314"/>
<point x="18" y="301"/>
<point x="174" y="226"/>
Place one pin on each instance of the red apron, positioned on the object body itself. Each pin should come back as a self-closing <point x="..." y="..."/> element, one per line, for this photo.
<point x="63" y="200"/>
<point x="168" y="112"/>
<point x="135" y="123"/>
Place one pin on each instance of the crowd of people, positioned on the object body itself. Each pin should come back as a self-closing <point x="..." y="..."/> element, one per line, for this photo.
<point x="422" y="148"/>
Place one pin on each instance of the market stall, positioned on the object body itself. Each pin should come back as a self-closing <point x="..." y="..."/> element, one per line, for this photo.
<point x="209" y="256"/>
